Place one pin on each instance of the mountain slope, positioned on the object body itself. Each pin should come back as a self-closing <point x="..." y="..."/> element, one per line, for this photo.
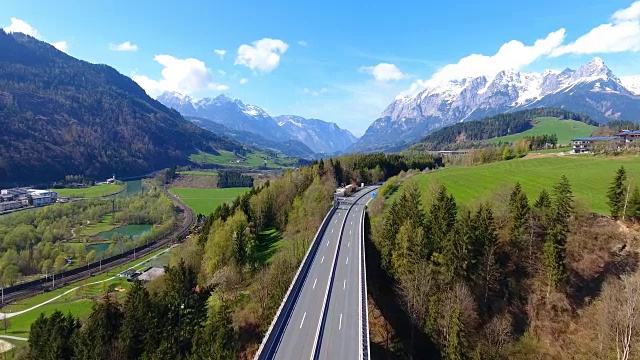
<point x="60" y="115"/>
<point x="288" y="147"/>
<point x="321" y="136"/>
<point x="592" y="89"/>
<point x="468" y="134"/>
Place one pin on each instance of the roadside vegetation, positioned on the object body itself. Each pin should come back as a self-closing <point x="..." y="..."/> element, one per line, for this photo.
<point x="225" y="284"/>
<point x="254" y="160"/>
<point x="527" y="274"/>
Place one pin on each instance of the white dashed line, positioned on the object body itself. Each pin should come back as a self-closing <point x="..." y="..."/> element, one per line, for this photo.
<point x="321" y="261"/>
<point x="347" y="260"/>
<point x="339" y="326"/>
<point x="349" y="244"/>
<point x="344" y="285"/>
<point x="314" y="283"/>
<point x="302" y="322"/>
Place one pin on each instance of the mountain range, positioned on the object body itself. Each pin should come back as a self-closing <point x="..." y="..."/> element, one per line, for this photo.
<point x="61" y="116"/>
<point x="320" y="136"/>
<point x="592" y="89"/>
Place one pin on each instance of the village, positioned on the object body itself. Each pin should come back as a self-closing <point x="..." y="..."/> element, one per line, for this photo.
<point x="617" y="142"/>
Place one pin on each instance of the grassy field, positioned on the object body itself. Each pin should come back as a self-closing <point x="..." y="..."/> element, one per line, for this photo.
<point x="92" y="191"/>
<point x="589" y="177"/>
<point x="253" y="160"/>
<point x="204" y="201"/>
<point x="270" y="241"/>
<point x="95" y="228"/>
<point x="564" y="129"/>
<point x="201" y="173"/>
<point x="74" y="301"/>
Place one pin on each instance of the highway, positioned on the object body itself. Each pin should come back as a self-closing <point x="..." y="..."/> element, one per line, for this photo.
<point x="325" y="321"/>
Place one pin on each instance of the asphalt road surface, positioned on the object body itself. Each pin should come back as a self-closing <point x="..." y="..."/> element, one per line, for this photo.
<point x="340" y="333"/>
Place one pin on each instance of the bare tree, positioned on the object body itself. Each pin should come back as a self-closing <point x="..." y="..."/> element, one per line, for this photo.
<point x="498" y="334"/>
<point x="620" y="310"/>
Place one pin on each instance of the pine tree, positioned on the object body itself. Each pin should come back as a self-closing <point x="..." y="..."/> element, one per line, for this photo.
<point x="554" y="249"/>
<point x="216" y="340"/>
<point x="455" y="345"/>
<point x="485" y="271"/>
<point x="406" y="254"/>
<point x="617" y="193"/>
<point x="137" y="312"/>
<point x="633" y="207"/>
<point x="457" y="251"/>
<point x="519" y="210"/>
<point x="442" y="218"/>
<point x="97" y="339"/>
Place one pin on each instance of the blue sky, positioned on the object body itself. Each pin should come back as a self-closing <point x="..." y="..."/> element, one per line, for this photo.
<point x="334" y="60"/>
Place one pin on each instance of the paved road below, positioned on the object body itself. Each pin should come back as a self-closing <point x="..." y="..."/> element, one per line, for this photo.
<point x="299" y="338"/>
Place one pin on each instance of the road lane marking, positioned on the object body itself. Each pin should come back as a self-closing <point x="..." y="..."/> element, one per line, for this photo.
<point x="344" y="285"/>
<point x="339" y="326"/>
<point x="349" y="244"/>
<point x="328" y="241"/>
<point x="314" y="283"/>
<point x="347" y="260"/>
<point x="349" y="232"/>
<point x="352" y="223"/>
<point x="332" y="230"/>
<point x="321" y="261"/>
<point x="302" y="322"/>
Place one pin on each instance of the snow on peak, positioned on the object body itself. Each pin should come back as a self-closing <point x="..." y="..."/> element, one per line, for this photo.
<point x="632" y="83"/>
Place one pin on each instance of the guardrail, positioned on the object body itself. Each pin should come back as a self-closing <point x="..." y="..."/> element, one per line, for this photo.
<point x="273" y="336"/>
<point x="365" y="352"/>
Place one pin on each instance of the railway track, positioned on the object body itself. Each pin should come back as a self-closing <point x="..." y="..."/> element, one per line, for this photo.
<point x="25" y="290"/>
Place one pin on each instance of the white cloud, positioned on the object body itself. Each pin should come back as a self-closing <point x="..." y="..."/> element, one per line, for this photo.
<point x="181" y="75"/>
<point x="125" y="46"/>
<point x="220" y="53"/>
<point x="21" y="26"/>
<point x="511" y="55"/>
<point x="60" y="45"/>
<point x="314" y="92"/>
<point x="222" y="72"/>
<point x="244" y="81"/>
<point x="303" y="43"/>
<point x="620" y="35"/>
<point x="384" y="72"/>
<point x="262" y="55"/>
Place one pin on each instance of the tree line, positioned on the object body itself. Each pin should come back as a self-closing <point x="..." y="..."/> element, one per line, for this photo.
<point x="233" y="178"/>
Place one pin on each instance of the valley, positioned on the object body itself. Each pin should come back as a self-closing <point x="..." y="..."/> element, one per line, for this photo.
<point x="360" y="191"/>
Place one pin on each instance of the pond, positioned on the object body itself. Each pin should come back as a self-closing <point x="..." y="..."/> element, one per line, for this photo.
<point x="126" y="230"/>
<point x="99" y="248"/>
<point x="132" y="188"/>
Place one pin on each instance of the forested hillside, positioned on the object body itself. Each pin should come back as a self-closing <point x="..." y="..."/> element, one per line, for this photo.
<point x="60" y="115"/>
<point x="468" y="134"/>
<point x="511" y="278"/>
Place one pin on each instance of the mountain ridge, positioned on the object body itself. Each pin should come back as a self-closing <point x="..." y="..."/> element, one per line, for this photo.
<point x="319" y="135"/>
<point x="592" y="89"/>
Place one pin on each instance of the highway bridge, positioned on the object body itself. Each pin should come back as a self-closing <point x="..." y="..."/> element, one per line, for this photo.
<point x="324" y="314"/>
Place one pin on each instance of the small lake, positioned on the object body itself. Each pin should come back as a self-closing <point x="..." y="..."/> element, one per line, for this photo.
<point x="99" y="248"/>
<point x="127" y="230"/>
<point x="131" y="188"/>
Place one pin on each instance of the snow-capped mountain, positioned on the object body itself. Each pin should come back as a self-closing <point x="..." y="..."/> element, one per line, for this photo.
<point x="320" y="136"/>
<point x="231" y="113"/>
<point x="632" y="83"/>
<point x="592" y="89"/>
